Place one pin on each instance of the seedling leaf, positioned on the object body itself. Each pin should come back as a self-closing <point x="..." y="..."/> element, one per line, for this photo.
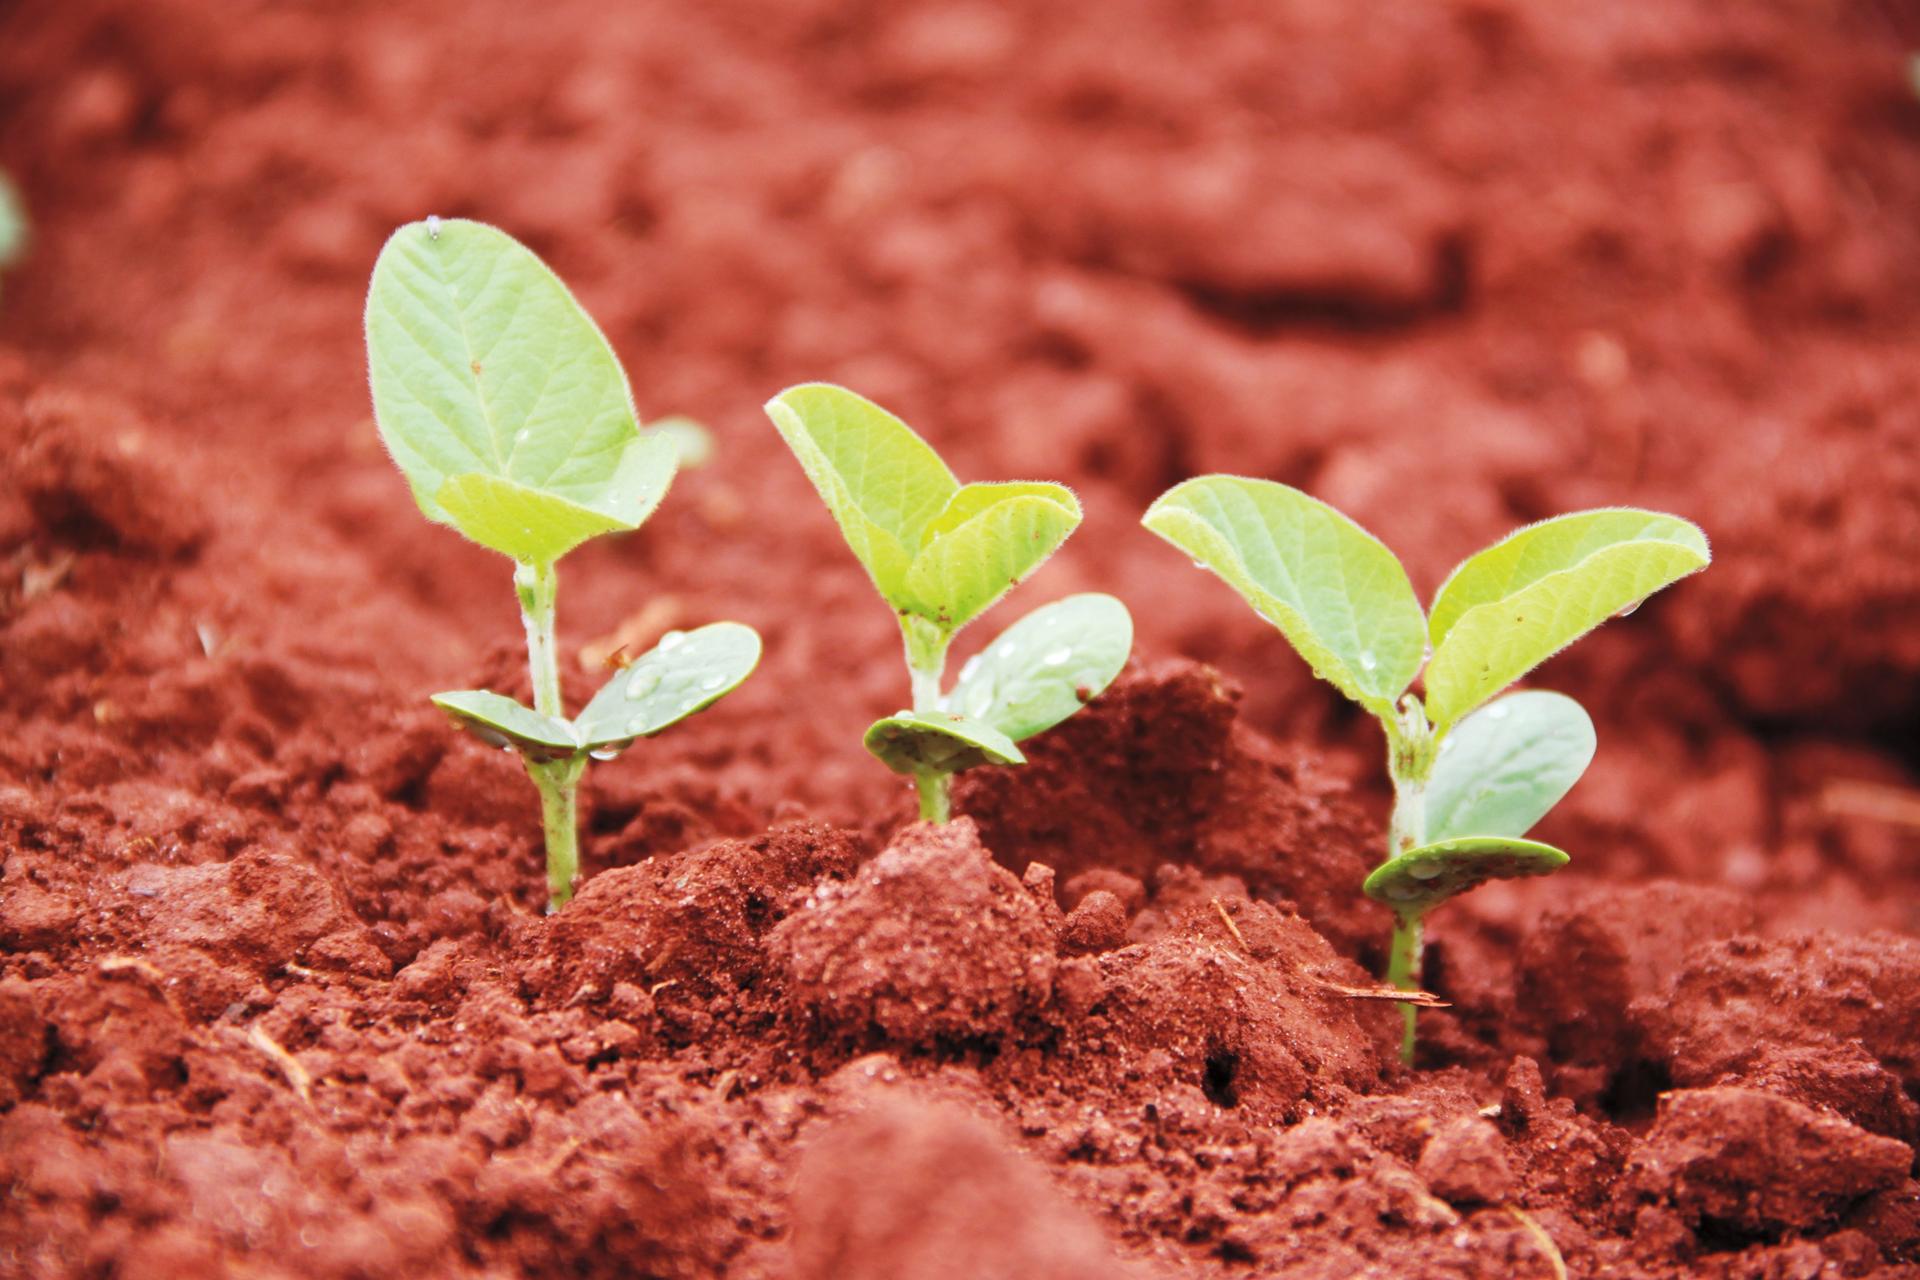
<point x="1504" y="766"/>
<point x="988" y="538"/>
<point x="482" y="364"/>
<point x="1046" y="666"/>
<point x="686" y="672"/>
<point x="1421" y="879"/>
<point x="499" y="721"/>
<point x="1331" y="587"/>
<point x="935" y="742"/>
<point x="882" y="482"/>
<point x="1516" y="604"/>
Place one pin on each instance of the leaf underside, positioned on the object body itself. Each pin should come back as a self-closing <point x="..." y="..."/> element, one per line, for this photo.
<point x="485" y="369"/>
<point x="685" y="673"/>
<point x="499" y="721"/>
<point x="1516" y="604"/>
<point x="1502" y="768"/>
<point x="1046" y="666"/>
<point x="1334" y="590"/>
<point x="914" y="742"/>
<point x="936" y="550"/>
<point x="1421" y="879"/>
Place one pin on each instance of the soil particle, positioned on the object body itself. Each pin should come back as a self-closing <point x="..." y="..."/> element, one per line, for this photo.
<point x="1465" y="1162"/>
<point x="1098" y="923"/>
<point x="1741" y="1161"/>
<point x="932" y="942"/>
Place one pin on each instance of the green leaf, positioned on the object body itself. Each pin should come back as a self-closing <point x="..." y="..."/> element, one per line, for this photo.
<point x="1337" y="594"/>
<point x="1500" y="769"/>
<point x="1421" y="879"/>
<point x="13" y="223"/>
<point x="483" y="365"/>
<point x="988" y="538"/>
<point x="686" y="672"/>
<point x="882" y="483"/>
<point x="1516" y="604"/>
<point x="499" y="721"/>
<point x="1046" y="666"/>
<point x="935" y="742"/>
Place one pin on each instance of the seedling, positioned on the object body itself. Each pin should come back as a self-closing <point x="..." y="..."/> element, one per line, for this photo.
<point x="1470" y="776"/>
<point x="941" y="553"/>
<point x="13" y="224"/>
<point x="511" y="418"/>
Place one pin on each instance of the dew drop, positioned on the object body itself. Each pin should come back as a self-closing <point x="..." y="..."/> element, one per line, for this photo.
<point x="643" y="681"/>
<point x="1367" y="659"/>
<point x="969" y="667"/>
<point x="637" y="725"/>
<point x="1404" y="892"/>
<point x="1630" y="608"/>
<point x="433" y="225"/>
<point x="713" y="682"/>
<point x="672" y="640"/>
<point x="1007" y="649"/>
<point x="1425" y="870"/>
<point x="1057" y="657"/>
<point x="520" y="436"/>
<point x="1199" y="564"/>
<point x="1499" y="711"/>
<point x="605" y="753"/>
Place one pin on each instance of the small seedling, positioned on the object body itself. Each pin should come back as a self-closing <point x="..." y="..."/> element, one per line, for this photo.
<point x="1470" y="776"/>
<point x="13" y="224"/>
<point x="941" y="553"/>
<point x="511" y="418"/>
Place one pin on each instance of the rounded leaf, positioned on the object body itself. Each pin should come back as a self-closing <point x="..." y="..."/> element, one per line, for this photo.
<point x="988" y="538"/>
<point x="482" y="364"/>
<point x="1421" y="879"/>
<point x="915" y="742"/>
<point x="499" y="721"/>
<point x="1046" y="666"/>
<point x="1516" y="604"/>
<point x="1499" y="770"/>
<point x="1331" y="587"/>
<point x="686" y="672"/>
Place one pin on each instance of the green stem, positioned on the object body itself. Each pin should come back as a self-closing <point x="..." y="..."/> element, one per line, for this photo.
<point x="558" y="781"/>
<point x="1403" y="971"/>
<point x="936" y="789"/>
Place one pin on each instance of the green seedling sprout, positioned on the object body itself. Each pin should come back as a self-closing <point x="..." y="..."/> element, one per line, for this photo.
<point x="1470" y="776"/>
<point x="512" y="420"/>
<point x="14" y="228"/>
<point x="941" y="553"/>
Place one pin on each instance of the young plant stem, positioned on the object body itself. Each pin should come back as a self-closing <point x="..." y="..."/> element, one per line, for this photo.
<point x="558" y="780"/>
<point x="935" y="788"/>
<point x="1411" y="751"/>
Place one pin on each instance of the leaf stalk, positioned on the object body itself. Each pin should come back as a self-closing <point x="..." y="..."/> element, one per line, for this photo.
<point x="558" y="781"/>
<point x="927" y="662"/>
<point x="1412" y="748"/>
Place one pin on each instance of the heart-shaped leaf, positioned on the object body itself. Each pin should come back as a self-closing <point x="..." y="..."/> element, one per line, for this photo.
<point x="686" y="672"/>
<point x="1516" y="604"/>
<point x="936" y="742"/>
<point x="491" y="384"/>
<point x="1500" y="769"/>
<point x="1421" y="879"/>
<point x="499" y="721"/>
<point x="1331" y="587"/>
<point x="882" y="483"/>
<point x="1046" y="666"/>
<point x="988" y="538"/>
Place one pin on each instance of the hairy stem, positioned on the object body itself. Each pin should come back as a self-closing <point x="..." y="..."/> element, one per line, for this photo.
<point x="936" y="789"/>
<point x="1403" y="971"/>
<point x="558" y="780"/>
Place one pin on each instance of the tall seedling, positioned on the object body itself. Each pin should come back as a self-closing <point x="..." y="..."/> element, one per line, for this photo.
<point x="512" y="420"/>
<point x="1470" y="776"/>
<point x="941" y="553"/>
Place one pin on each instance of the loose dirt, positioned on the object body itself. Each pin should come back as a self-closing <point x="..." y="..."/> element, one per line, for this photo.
<point x="276" y="996"/>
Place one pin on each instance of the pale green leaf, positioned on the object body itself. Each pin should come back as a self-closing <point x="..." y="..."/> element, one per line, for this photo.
<point x="1046" y="666"/>
<point x="1337" y="594"/>
<point x="499" y="721"/>
<point x="882" y="483"/>
<point x="935" y="742"/>
<point x="1421" y="879"/>
<point x="686" y="672"/>
<point x="1500" y="769"/>
<point x="1516" y="604"/>
<point x="531" y="526"/>
<point x="1002" y="533"/>
<point x="483" y="364"/>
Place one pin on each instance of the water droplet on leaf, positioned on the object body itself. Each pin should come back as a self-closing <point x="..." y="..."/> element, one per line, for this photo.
<point x="1498" y="711"/>
<point x="672" y="640"/>
<point x="1425" y="870"/>
<point x="604" y="753"/>
<point x="972" y="665"/>
<point x="637" y="725"/>
<point x="1057" y="657"/>
<point x="1006" y="650"/>
<point x="1630" y="608"/>
<point x="1367" y="659"/>
<point x="433" y="225"/>
<point x="713" y="682"/>
<point x="643" y="681"/>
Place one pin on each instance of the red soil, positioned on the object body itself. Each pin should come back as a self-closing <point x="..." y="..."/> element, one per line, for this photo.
<point x="275" y="996"/>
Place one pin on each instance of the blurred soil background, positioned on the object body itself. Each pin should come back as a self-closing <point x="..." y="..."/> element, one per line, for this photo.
<point x="1450" y="265"/>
